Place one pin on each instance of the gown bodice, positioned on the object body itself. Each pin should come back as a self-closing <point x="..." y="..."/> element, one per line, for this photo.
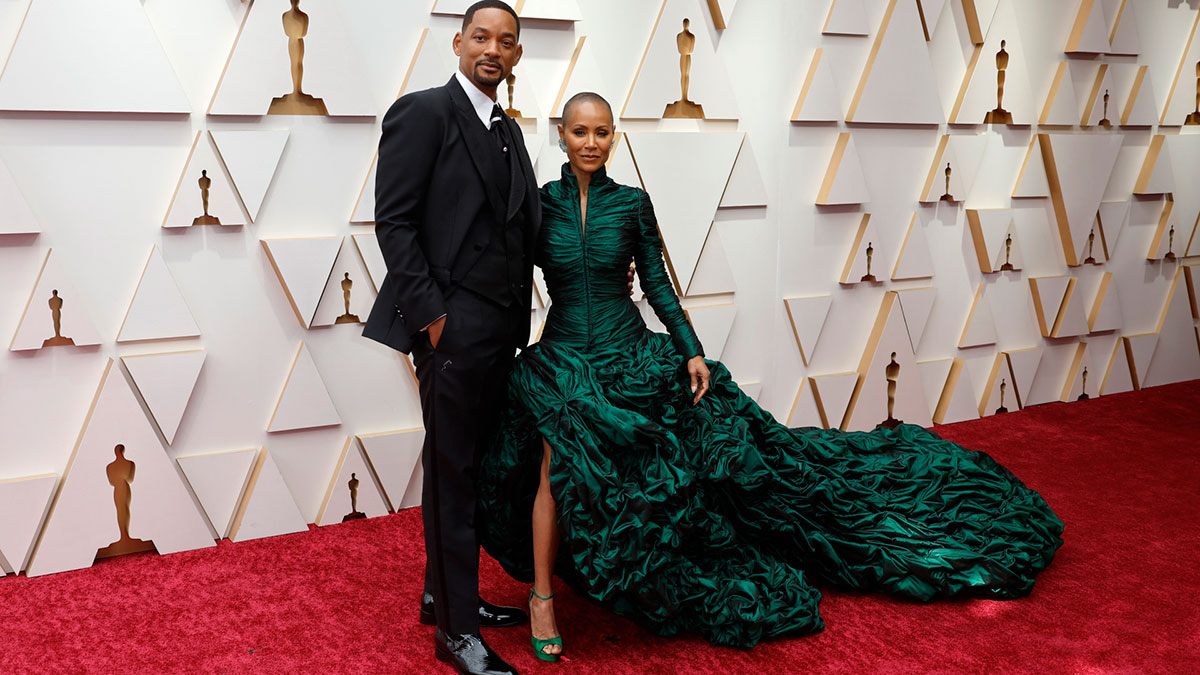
<point x="584" y="262"/>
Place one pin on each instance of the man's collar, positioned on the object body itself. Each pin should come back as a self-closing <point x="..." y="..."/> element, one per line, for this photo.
<point x="481" y="102"/>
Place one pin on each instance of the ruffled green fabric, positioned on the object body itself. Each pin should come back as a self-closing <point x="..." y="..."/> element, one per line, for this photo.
<point x="711" y="518"/>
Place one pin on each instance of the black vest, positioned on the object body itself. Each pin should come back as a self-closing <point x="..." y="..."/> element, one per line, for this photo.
<point x="499" y="273"/>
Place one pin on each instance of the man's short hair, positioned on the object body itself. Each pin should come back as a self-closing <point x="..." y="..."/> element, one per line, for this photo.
<point x="469" y="16"/>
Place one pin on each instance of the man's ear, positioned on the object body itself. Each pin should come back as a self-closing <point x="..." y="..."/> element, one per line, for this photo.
<point x="520" y="51"/>
<point x="457" y="44"/>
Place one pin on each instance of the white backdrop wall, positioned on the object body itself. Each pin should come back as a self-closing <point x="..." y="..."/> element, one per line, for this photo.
<point x="99" y="178"/>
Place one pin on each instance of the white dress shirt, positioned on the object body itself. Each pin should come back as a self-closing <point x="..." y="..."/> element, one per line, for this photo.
<point x="482" y="103"/>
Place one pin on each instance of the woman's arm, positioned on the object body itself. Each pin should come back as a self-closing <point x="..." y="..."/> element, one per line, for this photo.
<point x="648" y="254"/>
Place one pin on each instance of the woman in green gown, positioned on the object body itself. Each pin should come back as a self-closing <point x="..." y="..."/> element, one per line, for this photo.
<point x="680" y="503"/>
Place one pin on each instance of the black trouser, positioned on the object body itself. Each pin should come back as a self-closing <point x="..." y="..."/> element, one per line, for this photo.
<point x="462" y="385"/>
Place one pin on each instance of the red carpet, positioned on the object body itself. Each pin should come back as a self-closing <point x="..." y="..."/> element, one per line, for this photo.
<point x="1122" y="596"/>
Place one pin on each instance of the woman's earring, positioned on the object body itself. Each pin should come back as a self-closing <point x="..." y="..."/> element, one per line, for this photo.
<point x="562" y="145"/>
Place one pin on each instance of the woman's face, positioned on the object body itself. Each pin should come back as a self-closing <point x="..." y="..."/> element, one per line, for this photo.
<point x="588" y="135"/>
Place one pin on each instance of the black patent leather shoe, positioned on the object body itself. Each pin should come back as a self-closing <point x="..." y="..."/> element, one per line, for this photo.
<point x="490" y="616"/>
<point x="469" y="654"/>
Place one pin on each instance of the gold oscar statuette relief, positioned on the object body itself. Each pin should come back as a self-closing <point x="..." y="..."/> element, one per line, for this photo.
<point x="354" y="514"/>
<point x="1083" y="396"/>
<point x="1007" y="266"/>
<point x="946" y="196"/>
<point x="347" y="284"/>
<point x="685" y="108"/>
<point x="1104" y="121"/>
<point x="1003" y="386"/>
<point x="870" y="256"/>
<point x="205" y="185"/>
<point x="1170" y="244"/>
<point x="56" y="305"/>
<point x="120" y="476"/>
<point x="295" y="25"/>
<point x="1194" y="117"/>
<point x="892" y="373"/>
<point x="999" y="115"/>
<point x="1089" y="260"/>
<point x="511" y="110"/>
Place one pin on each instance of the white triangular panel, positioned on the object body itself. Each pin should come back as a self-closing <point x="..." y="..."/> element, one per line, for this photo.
<point x="1177" y="354"/>
<point x="433" y="62"/>
<point x="960" y="178"/>
<point x="1181" y="92"/>
<point x="1074" y="384"/>
<point x="1123" y="35"/>
<point x="685" y="173"/>
<point x="267" y="508"/>
<point x="869" y="406"/>
<point x="979" y="88"/>
<point x="1062" y="104"/>
<point x="960" y="396"/>
<point x="1141" y="101"/>
<point x="351" y="469"/>
<point x="1169" y="236"/>
<point x="1156" y="176"/>
<point x="252" y="158"/>
<point x="165" y="382"/>
<point x="24" y="503"/>
<point x="807" y="316"/>
<point x="83" y="56"/>
<point x="804" y="411"/>
<point x="1072" y="313"/>
<point x="1141" y="350"/>
<point x="1047" y="294"/>
<point x="846" y="17"/>
<point x="259" y="68"/>
<point x="658" y="82"/>
<point x="583" y="74"/>
<point x="1023" y="364"/>
<point x="1078" y="167"/>
<point x="1092" y="98"/>
<point x="834" y="392"/>
<point x="745" y="187"/>
<point x="83" y="517"/>
<point x="304" y="402"/>
<point x="37" y="321"/>
<point x="16" y="217"/>
<point x="994" y="234"/>
<point x="395" y="456"/>
<point x="158" y="310"/>
<point x="550" y="10"/>
<point x="1105" y="306"/>
<point x="865" y="256"/>
<point x="933" y="380"/>
<point x="621" y="167"/>
<point x="998" y="391"/>
<point x="978" y="16"/>
<point x="364" y="208"/>
<point x="844" y="182"/>
<point x="917" y="304"/>
<point x="722" y="10"/>
<point x="303" y="267"/>
<point x="931" y="13"/>
<point x="712" y="325"/>
<point x="1089" y="32"/>
<point x="203" y="166"/>
<point x="1118" y="377"/>
<point x="980" y="327"/>
<point x="367" y="246"/>
<point x="819" y="100"/>
<point x="349" y="270"/>
<point x="713" y="273"/>
<point x="1032" y="181"/>
<point x="914" y="260"/>
<point x="1111" y="218"/>
<point x="218" y="481"/>
<point x="898" y="85"/>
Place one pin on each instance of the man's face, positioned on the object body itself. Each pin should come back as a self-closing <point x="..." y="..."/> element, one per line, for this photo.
<point x="488" y="49"/>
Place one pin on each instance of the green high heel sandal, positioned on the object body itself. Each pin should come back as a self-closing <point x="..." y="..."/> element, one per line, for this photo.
<point x="538" y="644"/>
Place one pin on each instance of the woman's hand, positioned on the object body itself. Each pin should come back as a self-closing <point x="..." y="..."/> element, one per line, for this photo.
<point x="698" y="370"/>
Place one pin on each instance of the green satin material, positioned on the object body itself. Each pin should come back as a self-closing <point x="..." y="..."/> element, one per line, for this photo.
<point x="715" y="518"/>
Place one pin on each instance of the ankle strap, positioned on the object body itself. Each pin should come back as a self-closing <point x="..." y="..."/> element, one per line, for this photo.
<point x="540" y="597"/>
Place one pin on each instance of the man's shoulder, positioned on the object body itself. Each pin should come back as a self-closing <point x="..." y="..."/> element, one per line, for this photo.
<point x="434" y="99"/>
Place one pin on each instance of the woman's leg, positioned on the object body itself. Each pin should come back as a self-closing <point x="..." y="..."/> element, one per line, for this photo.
<point x="545" y="550"/>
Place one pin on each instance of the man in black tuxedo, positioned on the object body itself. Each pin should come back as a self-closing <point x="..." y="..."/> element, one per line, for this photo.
<point x="456" y="216"/>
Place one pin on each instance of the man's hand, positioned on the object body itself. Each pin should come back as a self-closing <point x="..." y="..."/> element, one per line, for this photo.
<point x="435" y="331"/>
<point x="632" y="267"/>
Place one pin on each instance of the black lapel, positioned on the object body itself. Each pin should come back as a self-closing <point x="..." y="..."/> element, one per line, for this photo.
<point x="518" y="185"/>
<point x="479" y="144"/>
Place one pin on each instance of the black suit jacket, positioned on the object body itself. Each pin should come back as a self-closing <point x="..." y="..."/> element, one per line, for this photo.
<point x="437" y="207"/>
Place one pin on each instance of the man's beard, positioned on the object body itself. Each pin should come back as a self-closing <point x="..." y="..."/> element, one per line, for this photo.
<point x="486" y="79"/>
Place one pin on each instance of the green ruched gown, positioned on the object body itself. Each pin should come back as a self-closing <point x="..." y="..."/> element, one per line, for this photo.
<point x="715" y="518"/>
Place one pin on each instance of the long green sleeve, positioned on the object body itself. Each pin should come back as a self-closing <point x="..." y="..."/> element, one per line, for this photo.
<point x="648" y="254"/>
